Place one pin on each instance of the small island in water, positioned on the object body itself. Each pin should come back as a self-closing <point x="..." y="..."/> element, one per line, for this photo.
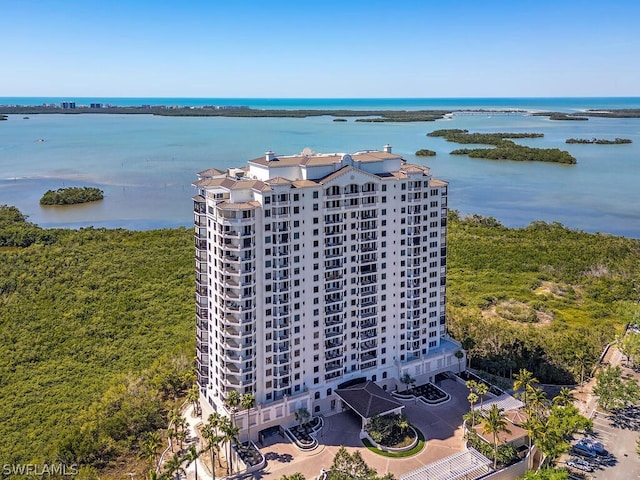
<point x="71" y="196"/>
<point x="503" y="147"/>
<point x="425" y="152"/>
<point x="599" y="141"/>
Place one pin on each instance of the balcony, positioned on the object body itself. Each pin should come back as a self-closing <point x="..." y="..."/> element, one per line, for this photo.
<point x="368" y="334"/>
<point x="369" y="302"/>
<point x="201" y="267"/>
<point x="333" y="242"/>
<point x="365" y="357"/>
<point x="368" y="280"/>
<point x="370" y="236"/>
<point x="371" y="344"/>
<point x="281" y="372"/>
<point x="230" y="381"/>
<point x="232" y="343"/>
<point x="332" y="354"/>
<point x="332" y="375"/>
<point x="368" y="323"/>
<point x="281" y="360"/>
<point x="333" y="265"/>
<point x="368" y="364"/>
<point x="231" y="368"/>
<point x="333" y="333"/>
<point x="368" y="258"/>
<point x="332" y="322"/>
<point x="231" y="330"/>
<point x="334" y="343"/>
<point x="367" y="313"/>
<point x="334" y="309"/>
<point x="330" y="367"/>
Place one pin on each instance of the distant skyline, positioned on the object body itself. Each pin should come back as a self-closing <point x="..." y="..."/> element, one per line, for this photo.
<point x="318" y="49"/>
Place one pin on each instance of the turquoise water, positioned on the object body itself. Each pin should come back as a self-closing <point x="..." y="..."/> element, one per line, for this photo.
<point x="146" y="164"/>
<point x="564" y="104"/>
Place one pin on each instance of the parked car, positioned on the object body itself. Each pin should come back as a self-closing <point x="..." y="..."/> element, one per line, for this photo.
<point x="580" y="464"/>
<point x="583" y="451"/>
<point x="593" y="445"/>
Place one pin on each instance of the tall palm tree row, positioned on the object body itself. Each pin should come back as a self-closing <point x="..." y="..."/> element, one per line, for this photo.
<point x="230" y="435"/>
<point x="211" y="433"/>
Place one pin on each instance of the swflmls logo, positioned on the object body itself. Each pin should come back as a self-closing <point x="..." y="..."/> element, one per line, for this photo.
<point x="39" y="470"/>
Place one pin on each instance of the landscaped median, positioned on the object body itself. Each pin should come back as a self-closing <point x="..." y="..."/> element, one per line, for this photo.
<point x="427" y="394"/>
<point x="415" y="447"/>
<point x="304" y="435"/>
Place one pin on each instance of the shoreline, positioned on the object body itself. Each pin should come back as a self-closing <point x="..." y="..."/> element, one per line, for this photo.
<point x="380" y="115"/>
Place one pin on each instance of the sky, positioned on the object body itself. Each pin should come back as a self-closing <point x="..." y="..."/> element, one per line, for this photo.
<point x="319" y="48"/>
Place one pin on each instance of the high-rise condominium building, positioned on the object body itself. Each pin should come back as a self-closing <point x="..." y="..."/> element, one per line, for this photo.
<point x="314" y="271"/>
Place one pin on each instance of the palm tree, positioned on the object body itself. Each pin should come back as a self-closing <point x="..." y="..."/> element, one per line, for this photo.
<point x="524" y="379"/>
<point x="248" y="401"/>
<point x="174" y="419"/>
<point x="149" y="447"/>
<point x="293" y="476"/>
<point x="180" y="425"/>
<point x="494" y="422"/>
<point x="564" y="397"/>
<point x="232" y="401"/>
<point x="193" y="396"/>
<point x="459" y="355"/>
<point x="537" y="401"/>
<point x="482" y="389"/>
<point x="302" y="416"/>
<point x="174" y="465"/>
<point x="533" y="427"/>
<point x="213" y="438"/>
<point x="230" y="435"/>
<point x="473" y="399"/>
<point x="472" y="385"/>
<point x="407" y="380"/>
<point x="192" y="457"/>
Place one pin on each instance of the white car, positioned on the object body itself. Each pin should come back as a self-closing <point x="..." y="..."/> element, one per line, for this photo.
<point x="580" y="464"/>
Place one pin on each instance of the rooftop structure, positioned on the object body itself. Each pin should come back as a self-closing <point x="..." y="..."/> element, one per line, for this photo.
<point x="317" y="271"/>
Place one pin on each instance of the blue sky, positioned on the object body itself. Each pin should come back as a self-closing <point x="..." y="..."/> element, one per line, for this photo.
<point x="322" y="48"/>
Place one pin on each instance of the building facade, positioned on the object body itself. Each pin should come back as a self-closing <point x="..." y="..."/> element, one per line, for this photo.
<point x="316" y="270"/>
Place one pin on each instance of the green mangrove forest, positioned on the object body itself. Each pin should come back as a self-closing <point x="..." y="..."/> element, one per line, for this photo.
<point x="71" y="196"/>
<point x="504" y="148"/>
<point x="599" y="141"/>
<point x="425" y="152"/>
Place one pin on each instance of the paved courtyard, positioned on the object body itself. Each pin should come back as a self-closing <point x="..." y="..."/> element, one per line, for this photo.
<point x="441" y="425"/>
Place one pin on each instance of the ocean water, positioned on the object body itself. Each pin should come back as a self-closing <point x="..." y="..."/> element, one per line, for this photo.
<point x="146" y="164"/>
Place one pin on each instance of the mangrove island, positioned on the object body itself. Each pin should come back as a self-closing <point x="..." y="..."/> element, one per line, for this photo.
<point x="71" y="196"/>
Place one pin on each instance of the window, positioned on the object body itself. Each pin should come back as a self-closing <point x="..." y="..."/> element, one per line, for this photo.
<point x="315" y="194"/>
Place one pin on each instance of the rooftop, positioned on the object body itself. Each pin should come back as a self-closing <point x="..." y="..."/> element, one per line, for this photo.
<point x="368" y="399"/>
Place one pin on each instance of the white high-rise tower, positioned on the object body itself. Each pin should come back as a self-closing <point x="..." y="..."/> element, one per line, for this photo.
<point x="314" y="270"/>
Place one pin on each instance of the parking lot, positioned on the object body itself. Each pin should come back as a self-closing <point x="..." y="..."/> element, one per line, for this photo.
<point x="618" y="432"/>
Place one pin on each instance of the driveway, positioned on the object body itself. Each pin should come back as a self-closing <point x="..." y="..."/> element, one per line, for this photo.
<point x="441" y="425"/>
